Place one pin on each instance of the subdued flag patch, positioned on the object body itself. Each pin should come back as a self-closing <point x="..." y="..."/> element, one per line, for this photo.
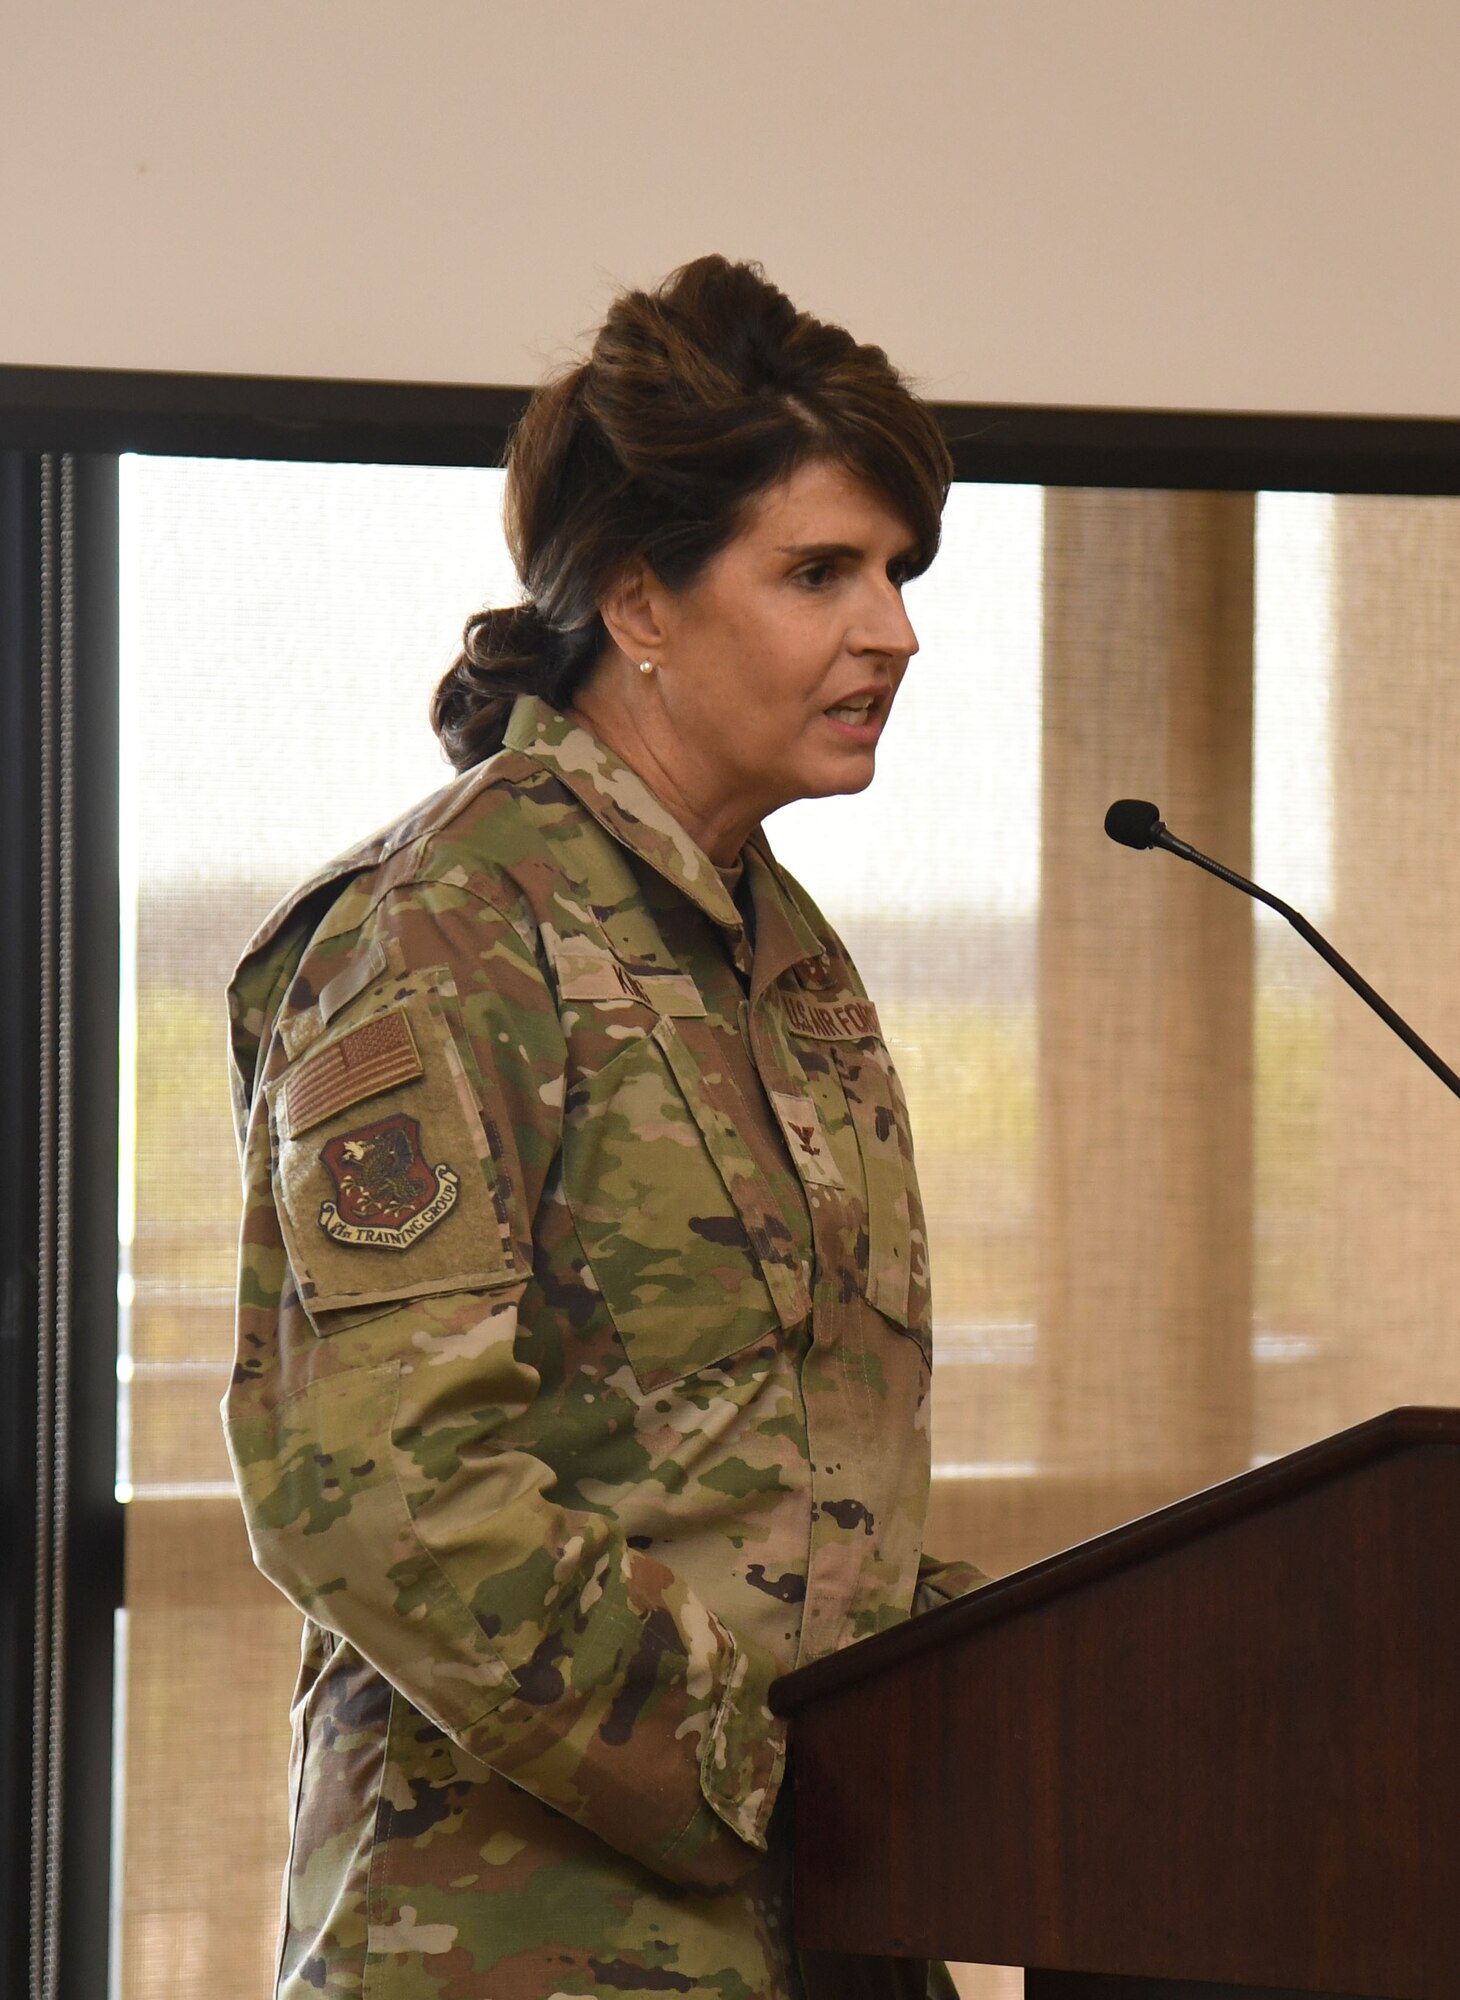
<point x="376" y="1056"/>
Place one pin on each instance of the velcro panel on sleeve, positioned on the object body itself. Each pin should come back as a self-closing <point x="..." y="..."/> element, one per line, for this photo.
<point x="384" y="1176"/>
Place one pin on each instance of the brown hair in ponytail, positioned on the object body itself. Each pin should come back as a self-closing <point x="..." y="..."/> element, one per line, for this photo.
<point x="696" y="397"/>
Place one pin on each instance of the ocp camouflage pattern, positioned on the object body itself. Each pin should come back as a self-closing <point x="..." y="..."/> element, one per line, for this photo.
<point x="580" y="1387"/>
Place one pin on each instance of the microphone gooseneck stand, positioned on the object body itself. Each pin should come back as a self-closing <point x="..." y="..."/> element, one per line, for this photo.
<point x="1137" y="823"/>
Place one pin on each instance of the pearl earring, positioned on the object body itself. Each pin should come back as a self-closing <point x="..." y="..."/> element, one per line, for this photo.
<point x="646" y="666"/>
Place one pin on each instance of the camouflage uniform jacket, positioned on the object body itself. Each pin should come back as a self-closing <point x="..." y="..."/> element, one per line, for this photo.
<point x="581" y="1380"/>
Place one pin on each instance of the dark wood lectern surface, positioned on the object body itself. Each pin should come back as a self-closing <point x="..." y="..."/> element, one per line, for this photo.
<point x="1220" y="1744"/>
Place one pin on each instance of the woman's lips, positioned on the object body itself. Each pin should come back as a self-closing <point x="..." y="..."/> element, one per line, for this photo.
<point x="859" y="720"/>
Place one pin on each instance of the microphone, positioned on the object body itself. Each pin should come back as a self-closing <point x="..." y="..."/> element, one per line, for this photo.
<point x="1137" y="823"/>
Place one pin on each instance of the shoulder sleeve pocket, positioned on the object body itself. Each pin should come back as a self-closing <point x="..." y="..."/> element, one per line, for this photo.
<point x="384" y="1176"/>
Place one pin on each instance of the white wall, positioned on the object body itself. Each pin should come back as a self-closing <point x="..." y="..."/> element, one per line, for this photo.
<point x="1201" y="203"/>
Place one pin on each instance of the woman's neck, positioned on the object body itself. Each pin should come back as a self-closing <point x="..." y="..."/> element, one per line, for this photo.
<point x="719" y="827"/>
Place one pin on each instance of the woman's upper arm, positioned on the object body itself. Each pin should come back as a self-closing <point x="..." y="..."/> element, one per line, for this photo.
<point x="406" y="1134"/>
<point x="411" y="1105"/>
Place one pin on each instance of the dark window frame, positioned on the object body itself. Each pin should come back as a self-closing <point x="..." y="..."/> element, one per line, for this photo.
<point x="58" y="931"/>
<point x="97" y="414"/>
<point x="428" y="423"/>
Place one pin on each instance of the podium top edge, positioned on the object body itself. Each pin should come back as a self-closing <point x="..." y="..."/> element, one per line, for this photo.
<point x="1122" y="1548"/>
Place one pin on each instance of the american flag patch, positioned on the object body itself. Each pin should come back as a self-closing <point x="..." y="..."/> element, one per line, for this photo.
<point x="376" y="1056"/>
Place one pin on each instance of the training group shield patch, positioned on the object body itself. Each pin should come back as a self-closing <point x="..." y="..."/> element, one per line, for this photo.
<point x="386" y="1195"/>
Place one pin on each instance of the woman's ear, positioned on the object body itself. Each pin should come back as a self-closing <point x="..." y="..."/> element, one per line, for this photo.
<point x="636" y="613"/>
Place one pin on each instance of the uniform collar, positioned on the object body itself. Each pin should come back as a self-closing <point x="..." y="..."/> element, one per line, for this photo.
<point x="620" y="801"/>
<point x="783" y="934"/>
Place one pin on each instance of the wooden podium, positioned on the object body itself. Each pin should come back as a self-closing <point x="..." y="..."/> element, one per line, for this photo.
<point x="1218" y="1745"/>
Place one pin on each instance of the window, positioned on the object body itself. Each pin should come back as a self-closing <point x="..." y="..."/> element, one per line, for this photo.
<point x="1188" y="1203"/>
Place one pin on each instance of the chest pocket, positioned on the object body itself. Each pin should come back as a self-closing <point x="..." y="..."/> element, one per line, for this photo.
<point x="897" y="1248"/>
<point x="384" y="1181"/>
<point x="693" y="1258"/>
<point x="847" y="1032"/>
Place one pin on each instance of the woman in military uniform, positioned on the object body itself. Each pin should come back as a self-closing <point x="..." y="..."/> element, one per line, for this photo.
<point x="583" y="1334"/>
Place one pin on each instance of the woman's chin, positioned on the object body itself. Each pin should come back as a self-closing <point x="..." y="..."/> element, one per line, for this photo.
<point x="845" y="775"/>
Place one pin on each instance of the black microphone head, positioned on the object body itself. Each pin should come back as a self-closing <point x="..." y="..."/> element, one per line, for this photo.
<point x="1134" y="822"/>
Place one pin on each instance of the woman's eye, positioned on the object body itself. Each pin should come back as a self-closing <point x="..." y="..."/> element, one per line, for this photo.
<point x="816" y="575"/>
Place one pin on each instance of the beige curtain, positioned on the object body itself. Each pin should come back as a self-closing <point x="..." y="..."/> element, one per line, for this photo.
<point x="210" y="1647"/>
<point x="1191" y="1206"/>
<point x="1142" y="1295"/>
<point x="1392" y="1137"/>
<point x="211" y="1651"/>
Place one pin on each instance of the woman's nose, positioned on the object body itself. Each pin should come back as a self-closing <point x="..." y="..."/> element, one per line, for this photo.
<point x="885" y="625"/>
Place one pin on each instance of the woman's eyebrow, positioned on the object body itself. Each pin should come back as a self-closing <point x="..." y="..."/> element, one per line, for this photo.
<point x="824" y="551"/>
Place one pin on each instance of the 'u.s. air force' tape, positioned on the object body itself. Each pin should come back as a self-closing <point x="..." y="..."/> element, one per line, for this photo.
<point x="848" y="1019"/>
